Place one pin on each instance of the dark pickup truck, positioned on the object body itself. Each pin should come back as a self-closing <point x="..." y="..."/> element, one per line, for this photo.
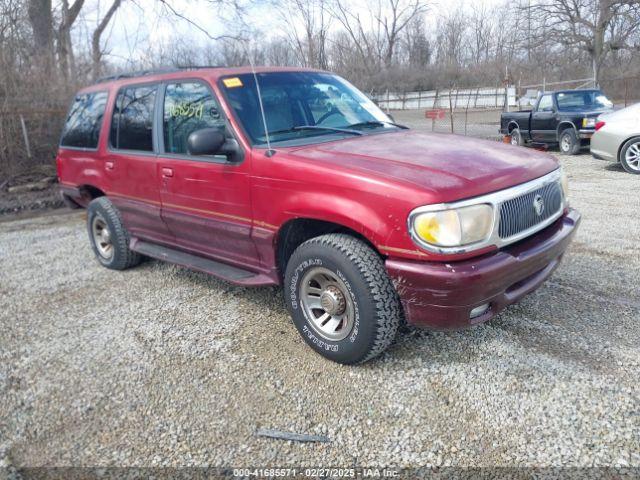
<point x="566" y="118"/>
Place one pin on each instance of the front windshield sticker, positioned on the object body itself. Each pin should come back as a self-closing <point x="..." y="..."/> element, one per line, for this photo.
<point x="232" y="82"/>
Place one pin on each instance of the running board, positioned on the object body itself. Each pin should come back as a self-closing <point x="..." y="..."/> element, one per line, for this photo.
<point x="226" y="272"/>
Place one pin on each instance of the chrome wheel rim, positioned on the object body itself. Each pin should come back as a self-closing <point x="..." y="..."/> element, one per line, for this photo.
<point x="632" y="156"/>
<point x="327" y="304"/>
<point x="102" y="237"/>
<point x="565" y="143"/>
<point x="514" y="138"/>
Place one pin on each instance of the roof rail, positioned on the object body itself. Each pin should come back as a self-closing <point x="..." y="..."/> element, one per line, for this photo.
<point x="158" y="71"/>
<point x="139" y="73"/>
<point x="198" y="67"/>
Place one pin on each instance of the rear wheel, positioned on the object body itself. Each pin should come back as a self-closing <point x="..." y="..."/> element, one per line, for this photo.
<point x="569" y="142"/>
<point x="109" y="239"/>
<point x="516" y="137"/>
<point x="341" y="299"/>
<point x="630" y="156"/>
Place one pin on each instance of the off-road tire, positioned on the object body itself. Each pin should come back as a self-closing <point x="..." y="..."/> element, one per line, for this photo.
<point x="516" y="137"/>
<point x="377" y="306"/>
<point x="623" y="153"/>
<point x="123" y="257"/>
<point x="569" y="142"/>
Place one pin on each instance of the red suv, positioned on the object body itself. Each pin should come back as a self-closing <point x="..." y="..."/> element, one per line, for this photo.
<point x="294" y="177"/>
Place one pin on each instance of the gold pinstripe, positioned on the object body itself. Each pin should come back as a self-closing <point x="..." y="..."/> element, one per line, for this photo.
<point x="199" y="210"/>
<point x="258" y="223"/>
<point x="402" y="250"/>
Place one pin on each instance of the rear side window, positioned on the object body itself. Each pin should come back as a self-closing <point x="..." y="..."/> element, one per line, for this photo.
<point x="82" y="129"/>
<point x="188" y="106"/>
<point x="132" y="121"/>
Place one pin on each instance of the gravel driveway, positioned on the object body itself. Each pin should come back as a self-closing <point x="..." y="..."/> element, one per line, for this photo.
<point x="162" y="366"/>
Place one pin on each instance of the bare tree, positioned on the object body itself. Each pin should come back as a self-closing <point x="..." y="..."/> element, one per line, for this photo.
<point x="482" y="30"/>
<point x="597" y="27"/>
<point x="64" y="48"/>
<point x="41" y="20"/>
<point x="451" y="39"/>
<point x="357" y="37"/>
<point x="376" y="36"/>
<point x="96" y="52"/>
<point x="416" y="45"/>
<point x="394" y="20"/>
<point x="306" y="26"/>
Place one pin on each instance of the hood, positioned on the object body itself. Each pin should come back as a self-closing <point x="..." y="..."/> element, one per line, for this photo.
<point x="587" y="113"/>
<point x="451" y="167"/>
<point x="631" y="113"/>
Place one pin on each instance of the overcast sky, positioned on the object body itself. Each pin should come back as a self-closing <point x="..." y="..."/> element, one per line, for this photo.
<point x="141" y="23"/>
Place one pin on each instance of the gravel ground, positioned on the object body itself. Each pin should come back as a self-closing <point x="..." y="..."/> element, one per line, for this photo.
<point x="162" y="366"/>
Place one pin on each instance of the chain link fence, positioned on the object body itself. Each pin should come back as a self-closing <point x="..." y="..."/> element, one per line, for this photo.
<point x="463" y="111"/>
<point x="476" y="111"/>
<point x="479" y="123"/>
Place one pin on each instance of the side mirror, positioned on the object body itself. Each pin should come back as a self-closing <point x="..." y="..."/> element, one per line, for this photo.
<point x="206" y="141"/>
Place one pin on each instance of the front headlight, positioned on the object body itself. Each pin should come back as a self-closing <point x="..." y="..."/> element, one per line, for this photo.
<point x="588" y="123"/>
<point x="454" y="227"/>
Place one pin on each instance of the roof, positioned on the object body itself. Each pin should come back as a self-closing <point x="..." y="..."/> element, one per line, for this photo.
<point x="210" y="72"/>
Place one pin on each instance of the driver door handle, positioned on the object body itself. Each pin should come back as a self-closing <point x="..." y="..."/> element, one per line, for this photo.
<point x="167" y="172"/>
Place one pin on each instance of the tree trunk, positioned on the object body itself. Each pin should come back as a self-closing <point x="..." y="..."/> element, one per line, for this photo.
<point x="41" y="20"/>
<point x="96" y="53"/>
<point x="64" y="48"/>
<point x="63" y="55"/>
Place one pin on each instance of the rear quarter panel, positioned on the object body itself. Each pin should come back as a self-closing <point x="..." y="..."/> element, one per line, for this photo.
<point x="521" y="118"/>
<point x="78" y="167"/>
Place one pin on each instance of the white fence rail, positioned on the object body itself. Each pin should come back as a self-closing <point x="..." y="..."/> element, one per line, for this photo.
<point x="463" y="98"/>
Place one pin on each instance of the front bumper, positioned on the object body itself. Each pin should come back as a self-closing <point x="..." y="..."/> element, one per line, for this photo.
<point x="586" y="133"/>
<point x="441" y="295"/>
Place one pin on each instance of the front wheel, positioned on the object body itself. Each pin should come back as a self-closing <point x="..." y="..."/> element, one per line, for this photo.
<point x="341" y="299"/>
<point x="569" y="142"/>
<point x="630" y="156"/>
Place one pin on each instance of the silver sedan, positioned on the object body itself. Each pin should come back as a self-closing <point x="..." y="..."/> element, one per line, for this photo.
<point x="617" y="138"/>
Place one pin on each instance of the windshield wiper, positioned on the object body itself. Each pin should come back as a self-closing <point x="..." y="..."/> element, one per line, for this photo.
<point x="317" y="127"/>
<point x="377" y="123"/>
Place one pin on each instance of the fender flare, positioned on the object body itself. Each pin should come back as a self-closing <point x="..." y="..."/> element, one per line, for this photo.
<point x="514" y="123"/>
<point x="565" y="122"/>
<point x="349" y="214"/>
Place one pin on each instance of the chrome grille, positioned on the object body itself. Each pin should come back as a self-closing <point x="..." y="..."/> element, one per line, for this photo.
<point x="519" y="214"/>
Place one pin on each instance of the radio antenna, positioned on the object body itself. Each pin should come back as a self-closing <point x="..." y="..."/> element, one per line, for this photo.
<point x="269" y="152"/>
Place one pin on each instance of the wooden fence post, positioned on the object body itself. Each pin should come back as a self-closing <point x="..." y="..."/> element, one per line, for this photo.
<point x="25" y="136"/>
<point x="451" y="108"/>
<point x="626" y="91"/>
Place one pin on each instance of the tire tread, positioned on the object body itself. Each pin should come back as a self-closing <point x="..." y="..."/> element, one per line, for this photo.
<point x="123" y="257"/>
<point x="371" y="267"/>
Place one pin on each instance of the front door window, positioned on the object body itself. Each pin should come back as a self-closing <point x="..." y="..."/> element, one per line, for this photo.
<point x="188" y="106"/>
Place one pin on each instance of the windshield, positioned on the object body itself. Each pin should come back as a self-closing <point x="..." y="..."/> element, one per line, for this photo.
<point x="585" y="100"/>
<point x="302" y="106"/>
